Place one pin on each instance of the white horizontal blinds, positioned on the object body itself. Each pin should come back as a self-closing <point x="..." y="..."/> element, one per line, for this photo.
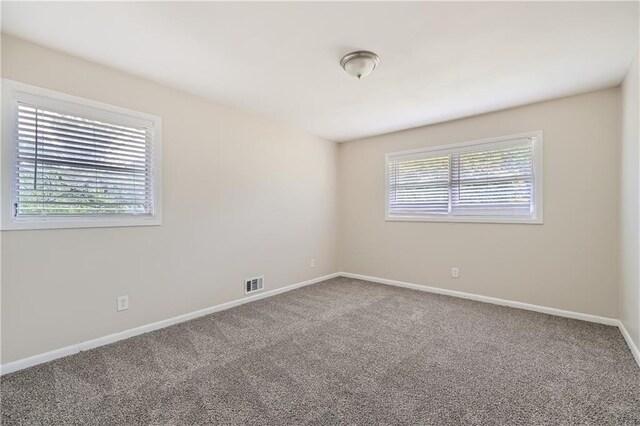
<point x="66" y="165"/>
<point x="493" y="180"/>
<point x="419" y="185"/>
<point x="489" y="179"/>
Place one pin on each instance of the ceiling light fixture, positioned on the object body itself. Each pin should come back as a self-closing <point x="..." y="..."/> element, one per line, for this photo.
<point x="359" y="64"/>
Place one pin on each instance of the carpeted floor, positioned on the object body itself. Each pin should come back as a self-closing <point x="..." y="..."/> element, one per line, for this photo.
<point x="343" y="352"/>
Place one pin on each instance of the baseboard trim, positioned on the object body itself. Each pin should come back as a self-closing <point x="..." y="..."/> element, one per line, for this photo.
<point x="487" y="299"/>
<point x="632" y="346"/>
<point x="520" y="305"/>
<point x="105" y="340"/>
<point x="20" y="364"/>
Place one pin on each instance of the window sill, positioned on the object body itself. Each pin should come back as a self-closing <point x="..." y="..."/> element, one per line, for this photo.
<point x="71" y="223"/>
<point x="464" y="219"/>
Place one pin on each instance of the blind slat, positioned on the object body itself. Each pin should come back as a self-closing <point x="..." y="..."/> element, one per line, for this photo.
<point x="53" y="151"/>
<point x="62" y="120"/>
<point x="28" y="132"/>
<point x="26" y="169"/>
<point x="80" y="144"/>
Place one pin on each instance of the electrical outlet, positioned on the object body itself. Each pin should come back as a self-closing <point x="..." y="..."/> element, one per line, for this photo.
<point x="123" y="303"/>
<point x="313" y="263"/>
<point x="455" y="273"/>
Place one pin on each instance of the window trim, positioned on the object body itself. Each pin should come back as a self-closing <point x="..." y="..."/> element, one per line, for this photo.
<point x="12" y="93"/>
<point x="538" y="158"/>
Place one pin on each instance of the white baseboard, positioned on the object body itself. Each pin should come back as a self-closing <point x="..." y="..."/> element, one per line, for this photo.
<point x="630" y="343"/>
<point x="105" y="340"/>
<point x="521" y="305"/>
<point x="487" y="299"/>
<point x="100" y="341"/>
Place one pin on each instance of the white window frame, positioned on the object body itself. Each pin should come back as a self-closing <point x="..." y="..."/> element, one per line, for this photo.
<point x="537" y="215"/>
<point x="12" y="93"/>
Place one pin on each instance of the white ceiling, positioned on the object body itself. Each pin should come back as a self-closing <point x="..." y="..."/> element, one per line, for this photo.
<point x="439" y="61"/>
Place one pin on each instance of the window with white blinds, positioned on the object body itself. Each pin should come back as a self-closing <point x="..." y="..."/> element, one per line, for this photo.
<point x="75" y="164"/>
<point x="497" y="180"/>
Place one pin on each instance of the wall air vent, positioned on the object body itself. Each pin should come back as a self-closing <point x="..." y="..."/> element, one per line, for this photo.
<point x="252" y="285"/>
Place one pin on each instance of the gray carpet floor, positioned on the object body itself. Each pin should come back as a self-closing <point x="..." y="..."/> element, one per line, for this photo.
<point x="343" y="352"/>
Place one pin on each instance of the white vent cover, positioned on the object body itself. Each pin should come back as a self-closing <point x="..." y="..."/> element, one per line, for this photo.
<point x="251" y="285"/>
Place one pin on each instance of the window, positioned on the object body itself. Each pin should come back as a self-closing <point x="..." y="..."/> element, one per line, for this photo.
<point x="496" y="180"/>
<point x="77" y="163"/>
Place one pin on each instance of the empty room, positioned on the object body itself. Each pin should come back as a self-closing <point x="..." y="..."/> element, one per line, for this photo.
<point x="320" y="213"/>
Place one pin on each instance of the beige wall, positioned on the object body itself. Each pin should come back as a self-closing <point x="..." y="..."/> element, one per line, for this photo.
<point x="629" y="200"/>
<point x="569" y="262"/>
<point x="222" y="224"/>
<point x="243" y="196"/>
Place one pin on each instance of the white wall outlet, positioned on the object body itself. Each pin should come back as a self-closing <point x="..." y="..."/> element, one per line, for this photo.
<point x="123" y="303"/>
<point x="312" y="263"/>
<point x="455" y="272"/>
